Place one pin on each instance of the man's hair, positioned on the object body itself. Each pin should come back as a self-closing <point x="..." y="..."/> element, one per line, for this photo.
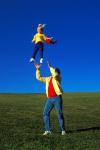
<point x="58" y="71"/>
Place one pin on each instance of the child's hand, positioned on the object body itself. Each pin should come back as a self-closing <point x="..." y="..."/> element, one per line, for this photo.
<point x="33" y="41"/>
<point x="50" y="40"/>
<point x="37" y="66"/>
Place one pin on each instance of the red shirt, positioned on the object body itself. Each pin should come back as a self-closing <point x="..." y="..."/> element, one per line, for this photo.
<point x="51" y="91"/>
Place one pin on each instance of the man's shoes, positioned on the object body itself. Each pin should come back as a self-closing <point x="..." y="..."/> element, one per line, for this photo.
<point x="41" y="60"/>
<point x="31" y="60"/>
<point x="63" y="133"/>
<point x="47" y="133"/>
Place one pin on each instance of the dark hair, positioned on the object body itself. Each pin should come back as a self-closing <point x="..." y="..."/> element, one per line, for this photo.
<point x="41" y="29"/>
<point x="58" y="71"/>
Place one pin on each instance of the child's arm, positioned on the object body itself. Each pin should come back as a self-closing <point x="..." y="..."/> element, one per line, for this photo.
<point x="45" y="37"/>
<point x="34" y="38"/>
<point x="49" y="40"/>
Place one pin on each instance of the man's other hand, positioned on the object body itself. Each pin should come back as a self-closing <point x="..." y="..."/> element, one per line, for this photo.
<point x="48" y="64"/>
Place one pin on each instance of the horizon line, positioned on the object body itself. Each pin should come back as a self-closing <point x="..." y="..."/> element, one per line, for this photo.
<point x="45" y="93"/>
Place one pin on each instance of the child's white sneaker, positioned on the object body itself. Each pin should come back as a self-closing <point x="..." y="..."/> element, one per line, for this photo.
<point x="63" y="133"/>
<point x="41" y="60"/>
<point x="47" y="133"/>
<point x="31" y="60"/>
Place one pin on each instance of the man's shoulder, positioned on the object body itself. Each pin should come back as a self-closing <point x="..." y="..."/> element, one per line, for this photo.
<point x="48" y="78"/>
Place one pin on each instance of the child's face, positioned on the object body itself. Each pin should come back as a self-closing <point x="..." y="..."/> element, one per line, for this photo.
<point x="39" y="30"/>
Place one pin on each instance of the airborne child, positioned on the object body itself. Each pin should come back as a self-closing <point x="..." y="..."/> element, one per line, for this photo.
<point x="39" y="39"/>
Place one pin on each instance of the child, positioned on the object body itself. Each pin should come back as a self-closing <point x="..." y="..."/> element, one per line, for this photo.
<point x="39" y="39"/>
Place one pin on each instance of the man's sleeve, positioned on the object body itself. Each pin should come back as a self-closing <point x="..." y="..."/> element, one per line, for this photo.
<point x="52" y="70"/>
<point x="39" y="77"/>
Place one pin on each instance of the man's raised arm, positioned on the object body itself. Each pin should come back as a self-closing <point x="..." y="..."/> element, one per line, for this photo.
<point x="52" y="70"/>
<point x="38" y="75"/>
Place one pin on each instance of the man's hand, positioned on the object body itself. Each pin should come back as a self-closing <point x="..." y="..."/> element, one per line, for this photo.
<point x="37" y="66"/>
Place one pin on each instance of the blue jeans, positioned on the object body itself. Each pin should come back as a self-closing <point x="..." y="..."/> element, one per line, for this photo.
<point x="55" y="102"/>
<point x="38" y="47"/>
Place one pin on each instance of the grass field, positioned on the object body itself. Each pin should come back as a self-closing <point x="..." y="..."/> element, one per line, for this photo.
<point x="21" y="124"/>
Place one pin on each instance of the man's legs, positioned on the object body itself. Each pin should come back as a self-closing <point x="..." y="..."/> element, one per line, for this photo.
<point x="58" y="107"/>
<point x="46" y="114"/>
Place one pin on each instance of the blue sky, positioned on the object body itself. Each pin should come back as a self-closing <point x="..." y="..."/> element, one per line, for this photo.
<point x="76" y="26"/>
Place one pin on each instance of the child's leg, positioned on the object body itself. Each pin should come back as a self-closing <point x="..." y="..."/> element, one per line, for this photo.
<point x="41" y="54"/>
<point x="41" y="50"/>
<point x="35" y="51"/>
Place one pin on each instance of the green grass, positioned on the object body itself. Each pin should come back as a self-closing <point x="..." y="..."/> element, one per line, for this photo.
<point x="21" y="124"/>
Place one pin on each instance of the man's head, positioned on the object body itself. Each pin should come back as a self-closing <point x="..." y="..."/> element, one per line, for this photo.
<point x="57" y="71"/>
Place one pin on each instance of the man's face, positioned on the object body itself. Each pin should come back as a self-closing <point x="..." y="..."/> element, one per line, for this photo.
<point x="56" y="73"/>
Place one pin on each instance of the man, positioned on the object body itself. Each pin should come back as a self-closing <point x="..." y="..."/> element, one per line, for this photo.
<point x="54" y="92"/>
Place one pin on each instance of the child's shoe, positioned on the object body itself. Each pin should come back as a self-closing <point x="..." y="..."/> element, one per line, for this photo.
<point x="41" y="60"/>
<point x="31" y="60"/>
